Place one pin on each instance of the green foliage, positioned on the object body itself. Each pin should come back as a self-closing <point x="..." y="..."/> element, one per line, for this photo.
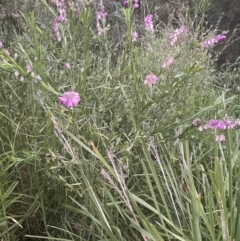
<point x="126" y="163"/>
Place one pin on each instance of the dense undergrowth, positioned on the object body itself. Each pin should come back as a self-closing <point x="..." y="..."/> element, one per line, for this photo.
<point x="117" y="127"/>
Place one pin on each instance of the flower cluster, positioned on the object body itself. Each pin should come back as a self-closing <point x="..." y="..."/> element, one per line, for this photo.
<point x="177" y="32"/>
<point x="220" y="138"/>
<point x="29" y="68"/>
<point x="67" y="66"/>
<point x="212" y="41"/>
<point x="134" y="36"/>
<point x="148" y="22"/>
<point x="217" y="124"/>
<point x="101" y="15"/>
<point x="61" y="9"/>
<point x="62" y="16"/>
<point x="16" y="73"/>
<point x="150" y="80"/>
<point x="28" y="71"/>
<point x="69" y="98"/>
<point x="167" y="62"/>
<point x="136" y="4"/>
<point x="125" y="3"/>
<point x="75" y="6"/>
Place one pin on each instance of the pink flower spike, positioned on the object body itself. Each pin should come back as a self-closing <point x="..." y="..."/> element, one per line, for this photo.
<point x="168" y="62"/>
<point x="68" y="66"/>
<point x="220" y="138"/>
<point x="214" y="40"/>
<point x="174" y="39"/>
<point x="148" y="22"/>
<point x="1" y="44"/>
<point x="176" y="34"/>
<point x="181" y="29"/>
<point x="150" y="80"/>
<point x="70" y="99"/>
<point x="55" y="27"/>
<point x="99" y="29"/>
<point x="195" y="122"/>
<point x="29" y="68"/>
<point x="125" y="3"/>
<point x="220" y="38"/>
<point x="59" y="19"/>
<point x="136" y="4"/>
<point x="215" y="124"/>
<point x="134" y="36"/>
<point x="101" y="15"/>
<point x="229" y="124"/>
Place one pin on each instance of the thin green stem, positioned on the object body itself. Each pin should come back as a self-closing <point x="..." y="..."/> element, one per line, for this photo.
<point x="230" y="181"/>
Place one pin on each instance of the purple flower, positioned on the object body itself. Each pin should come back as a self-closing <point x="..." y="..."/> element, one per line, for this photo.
<point x="59" y="19"/>
<point x="150" y="80"/>
<point x="134" y="36"/>
<point x="101" y="15"/>
<point x="220" y="38"/>
<point x="136" y="4"/>
<point x="125" y="3"/>
<point x="195" y="121"/>
<point x="229" y="124"/>
<point x="148" y="22"/>
<point x="220" y="138"/>
<point x="67" y="66"/>
<point x="180" y="30"/>
<point x="61" y="7"/>
<point x="29" y="68"/>
<point x="57" y="3"/>
<point x="209" y="42"/>
<point x="56" y="31"/>
<point x="176" y="34"/>
<point x="214" y="40"/>
<point x="216" y="124"/>
<point x="70" y="99"/>
<point x="62" y="14"/>
<point x="99" y="29"/>
<point x="55" y="27"/>
<point x="1" y="44"/>
<point x="173" y="40"/>
<point x="168" y="62"/>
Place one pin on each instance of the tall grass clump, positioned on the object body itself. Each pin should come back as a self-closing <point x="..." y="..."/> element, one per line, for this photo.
<point x="115" y="140"/>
